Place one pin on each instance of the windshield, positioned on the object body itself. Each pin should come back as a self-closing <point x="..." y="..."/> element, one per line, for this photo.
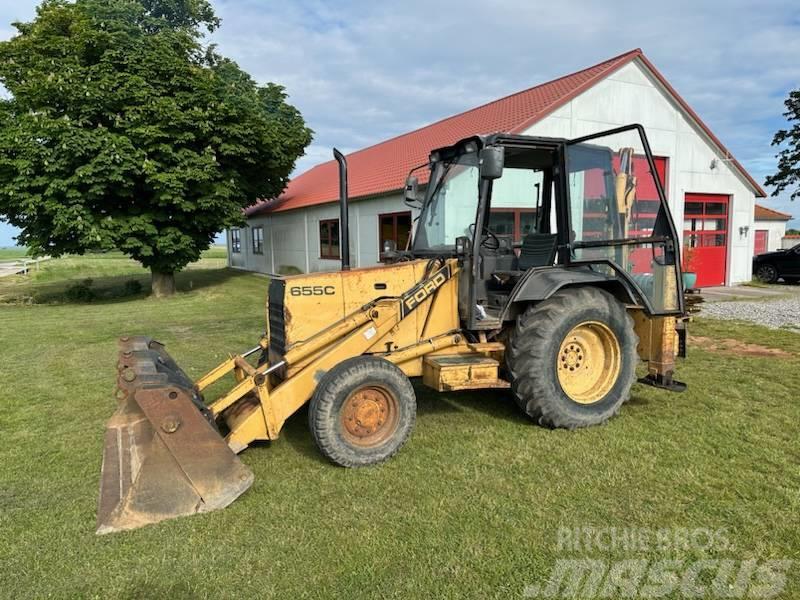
<point x="452" y="204"/>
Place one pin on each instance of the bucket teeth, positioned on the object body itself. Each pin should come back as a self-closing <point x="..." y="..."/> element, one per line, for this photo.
<point x="163" y="456"/>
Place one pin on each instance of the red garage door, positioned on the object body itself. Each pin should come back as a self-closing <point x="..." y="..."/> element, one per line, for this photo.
<point x="761" y="241"/>
<point x="705" y="230"/>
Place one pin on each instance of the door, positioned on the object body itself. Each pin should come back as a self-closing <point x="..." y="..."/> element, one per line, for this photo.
<point x="761" y="241"/>
<point x="235" y="248"/>
<point x="705" y="233"/>
<point x="618" y="216"/>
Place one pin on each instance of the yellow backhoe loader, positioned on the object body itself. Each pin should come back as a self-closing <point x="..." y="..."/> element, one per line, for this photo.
<point x="558" y="317"/>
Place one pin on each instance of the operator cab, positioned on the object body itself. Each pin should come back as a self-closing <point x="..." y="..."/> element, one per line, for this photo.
<point x="529" y="213"/>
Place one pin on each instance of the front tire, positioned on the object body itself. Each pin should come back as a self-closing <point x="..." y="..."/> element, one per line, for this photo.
<point x="362" y="411"/>
<point x="767" y="273"/>
<point x="572" y="358"/>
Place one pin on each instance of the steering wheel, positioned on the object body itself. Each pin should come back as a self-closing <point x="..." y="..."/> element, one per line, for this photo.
<point x="489" y="240"/>
<point x="489" y="236"/>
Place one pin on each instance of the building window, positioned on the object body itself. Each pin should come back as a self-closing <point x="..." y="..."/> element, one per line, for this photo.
<point x="258" y="240"/>
<point x="512" y="223"/>
<point x="395" y="227"/>
<point x="236" y="241"/>
<point x="329" y="238"/>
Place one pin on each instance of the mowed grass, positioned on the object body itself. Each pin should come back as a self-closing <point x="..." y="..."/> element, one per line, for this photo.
<point x="12" y="253"/>
<point x="105" y="273"/>
<point x="470" y="507"/>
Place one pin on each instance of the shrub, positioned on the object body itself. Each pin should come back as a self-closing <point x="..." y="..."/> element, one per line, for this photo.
<point x="80" y="292"/>
<point x="132" y="287"/>
<point x="289" y="270"/>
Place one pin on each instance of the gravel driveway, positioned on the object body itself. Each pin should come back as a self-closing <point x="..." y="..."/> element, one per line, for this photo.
<point x="780" y="312"/>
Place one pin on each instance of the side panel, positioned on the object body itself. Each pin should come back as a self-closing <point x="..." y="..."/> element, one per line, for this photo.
<point x="315" y="301"/>
<point x="310" y="304"/>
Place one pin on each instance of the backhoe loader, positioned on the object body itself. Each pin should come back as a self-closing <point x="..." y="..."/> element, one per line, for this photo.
<point x="558" y="318"/>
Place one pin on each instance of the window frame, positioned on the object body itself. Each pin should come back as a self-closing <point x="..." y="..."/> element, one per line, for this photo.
<point x="236" y="241"/>
<point x="260" y="248"/>
<point x="327" y="254"/>
<point x="516" y="236"/>
<point x="394" y="215"/>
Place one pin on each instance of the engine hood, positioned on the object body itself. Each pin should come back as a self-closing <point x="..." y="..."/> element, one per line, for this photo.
<point x="769" y="255"/>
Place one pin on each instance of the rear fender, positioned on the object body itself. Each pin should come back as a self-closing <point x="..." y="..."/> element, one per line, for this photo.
<point x="540" y="283"/>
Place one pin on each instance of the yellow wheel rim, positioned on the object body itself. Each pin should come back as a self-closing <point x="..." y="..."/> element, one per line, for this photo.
<point x="588" y="362"/>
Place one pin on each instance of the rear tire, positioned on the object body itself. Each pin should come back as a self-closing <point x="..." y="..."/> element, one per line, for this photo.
<point x="362" y="411"/>
<point x="572" y="358"/>
<point x="767" y="273"/>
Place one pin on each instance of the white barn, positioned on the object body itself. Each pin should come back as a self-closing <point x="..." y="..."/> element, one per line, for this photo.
<point x="710" y="194"/>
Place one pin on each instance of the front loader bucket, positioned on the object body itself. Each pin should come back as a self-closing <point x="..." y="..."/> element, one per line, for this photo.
<point x="163" y="455"/>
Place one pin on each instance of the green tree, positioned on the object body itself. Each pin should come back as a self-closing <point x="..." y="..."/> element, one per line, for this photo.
<point x="125" y="130"/>
<point x="788" y="174"/>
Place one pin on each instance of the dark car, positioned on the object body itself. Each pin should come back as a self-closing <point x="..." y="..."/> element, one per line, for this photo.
<point x="780" y="264"/>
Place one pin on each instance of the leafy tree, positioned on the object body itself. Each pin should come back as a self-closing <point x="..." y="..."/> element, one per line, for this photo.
<point x="123" y="130"/>
<point x="788" y="175"/>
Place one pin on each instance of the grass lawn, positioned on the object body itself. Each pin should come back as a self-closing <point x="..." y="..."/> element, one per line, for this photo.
<point x="106" y="274"/>
<point x="469" y="507"/>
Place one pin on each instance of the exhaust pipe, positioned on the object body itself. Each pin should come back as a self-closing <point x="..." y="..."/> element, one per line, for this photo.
<point x="344" y="226"/>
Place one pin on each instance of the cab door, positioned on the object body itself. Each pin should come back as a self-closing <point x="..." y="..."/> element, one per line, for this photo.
<point x="618" y="217"/>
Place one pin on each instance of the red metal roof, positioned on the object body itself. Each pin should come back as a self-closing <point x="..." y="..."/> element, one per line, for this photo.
<point x="762" y="213"/>
<point x="383" y="168"/>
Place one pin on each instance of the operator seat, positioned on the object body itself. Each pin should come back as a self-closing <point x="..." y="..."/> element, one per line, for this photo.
<point x="537" y="250"/>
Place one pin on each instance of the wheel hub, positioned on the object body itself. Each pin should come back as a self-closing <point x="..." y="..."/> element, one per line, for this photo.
<point x="588" y="362"/>
<point x="369" y="416"/>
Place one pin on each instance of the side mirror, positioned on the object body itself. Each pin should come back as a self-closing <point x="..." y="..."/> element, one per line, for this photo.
<point x="492" y="159"/>
<point x="410" y="193"/>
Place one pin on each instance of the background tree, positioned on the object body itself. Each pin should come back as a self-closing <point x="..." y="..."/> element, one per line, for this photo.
<point x="788" y="175"/>
<point x="124" y="131"/>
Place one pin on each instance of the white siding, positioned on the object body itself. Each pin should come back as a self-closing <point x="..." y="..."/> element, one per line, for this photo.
<point x="291" y="238"/>
<point x="632" y="95"/>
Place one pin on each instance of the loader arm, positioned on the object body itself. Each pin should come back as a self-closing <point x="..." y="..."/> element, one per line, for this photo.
<point x="352" y="336"/>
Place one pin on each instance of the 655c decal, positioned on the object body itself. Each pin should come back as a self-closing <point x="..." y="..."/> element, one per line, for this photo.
<point x="313" y="290"/>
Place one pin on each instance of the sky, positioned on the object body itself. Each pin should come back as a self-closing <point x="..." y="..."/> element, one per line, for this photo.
<point x="364" y="71"/>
